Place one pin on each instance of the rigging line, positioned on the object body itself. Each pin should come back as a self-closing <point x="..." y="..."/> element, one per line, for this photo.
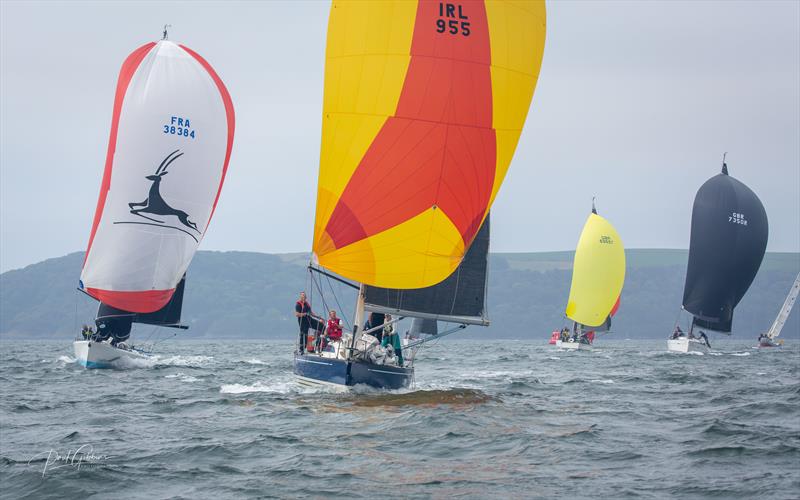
<point x="163" y="340"/>
<point x="312" y="269"/>
<point x="75" y="323"/>
<point x="321" y="296"/>
<point x="341" y="309"/>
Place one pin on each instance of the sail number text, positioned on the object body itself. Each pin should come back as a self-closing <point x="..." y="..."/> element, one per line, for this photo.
<point x="179" y="126"/>
<point x="737" y="218"/>
<point x="452" y="19"/>
<point x="608" y="240"/>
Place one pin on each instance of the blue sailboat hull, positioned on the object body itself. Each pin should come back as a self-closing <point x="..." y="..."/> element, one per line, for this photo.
<point x="349" y="373"/>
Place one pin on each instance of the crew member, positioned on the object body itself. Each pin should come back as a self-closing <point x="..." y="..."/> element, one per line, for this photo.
<point x="390" y="337"/>
<point x="333" y="331"/>
<point x="305" y="319"/>
<point x="375" y="319"/>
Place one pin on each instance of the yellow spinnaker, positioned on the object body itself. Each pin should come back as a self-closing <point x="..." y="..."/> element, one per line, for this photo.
<point x="598" y="273"/>
<point x="423" y="108"/>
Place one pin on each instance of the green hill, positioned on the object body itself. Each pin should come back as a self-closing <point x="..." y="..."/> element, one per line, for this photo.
<point x="251" y="295"/>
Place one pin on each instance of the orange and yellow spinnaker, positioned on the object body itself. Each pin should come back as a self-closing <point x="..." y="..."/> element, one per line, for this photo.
<point x="423" y="107"/>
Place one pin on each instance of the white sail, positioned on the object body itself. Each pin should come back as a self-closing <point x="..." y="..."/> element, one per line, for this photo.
<point x="171" y="138"/>
<point x="777" y="326"/>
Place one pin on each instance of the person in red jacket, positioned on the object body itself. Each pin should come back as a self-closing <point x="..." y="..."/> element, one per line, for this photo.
<point x="334" y="331"/>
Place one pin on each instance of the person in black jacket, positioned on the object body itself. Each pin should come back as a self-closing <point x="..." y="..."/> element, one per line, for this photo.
<point x="306" y="319"/>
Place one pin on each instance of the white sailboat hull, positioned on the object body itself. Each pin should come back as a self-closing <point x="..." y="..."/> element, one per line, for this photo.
<point x="685" y="344"/>
<point x="91" y="354"/>
<point x="573" y="346"/>
<point x="765" y="343"/>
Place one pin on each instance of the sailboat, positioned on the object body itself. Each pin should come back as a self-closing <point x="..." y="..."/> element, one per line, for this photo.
<point x="727" y="244"/>
<point x="769" y="339"/>
<point x="421" y="118"/>
<point x="598" y="274"/>
<point x="171" y="139"/>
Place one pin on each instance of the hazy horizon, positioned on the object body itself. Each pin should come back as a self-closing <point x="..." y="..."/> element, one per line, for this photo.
<point x="491" y="252"/>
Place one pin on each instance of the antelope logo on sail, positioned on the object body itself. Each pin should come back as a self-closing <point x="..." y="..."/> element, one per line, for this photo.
<point x="155" y="204"/>
<point x="607" y="240"/>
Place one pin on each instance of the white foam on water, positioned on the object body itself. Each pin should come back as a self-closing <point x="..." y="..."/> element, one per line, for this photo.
<point x="489" y="374"/>
<point x="157" y="360"/>
<point x="254" y="361"/>
<point x="740" y="354"/>
<point x="602" y="381"/>
<point x="182" y="377"/>
<point x="283" y="385"/>
<point x="133" y="363"/>
<point x="65" y="359"/>
<point x="244" y="389"/>
<point x="553" y="357"/>
<point x="192" y="361"/>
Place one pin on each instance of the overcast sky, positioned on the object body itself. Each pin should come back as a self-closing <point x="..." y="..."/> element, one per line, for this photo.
<point x="636" y="103"/>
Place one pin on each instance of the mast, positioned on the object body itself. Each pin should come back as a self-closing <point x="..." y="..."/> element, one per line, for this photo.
<point x="777" y="326"/>
<point x="358" y="320"/>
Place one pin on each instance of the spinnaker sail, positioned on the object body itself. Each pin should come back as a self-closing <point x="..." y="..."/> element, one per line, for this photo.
<point x="169" y="147"/>
<point x="598" y="274"/>
<point x="424" y="104"/>
<point x="727" y="244"/>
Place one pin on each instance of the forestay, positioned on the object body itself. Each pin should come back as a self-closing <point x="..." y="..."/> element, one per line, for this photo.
<point x="170" y="142"/>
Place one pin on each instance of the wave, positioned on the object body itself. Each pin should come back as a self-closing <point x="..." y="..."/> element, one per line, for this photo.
<point x="182" y="377"/>
<point x="254" y="361"/>
<point x="156" y="361"/>
<point x="283" y="385"/>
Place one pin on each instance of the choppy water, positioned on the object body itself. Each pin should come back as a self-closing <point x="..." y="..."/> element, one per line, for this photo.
<point x="503" y="419"/>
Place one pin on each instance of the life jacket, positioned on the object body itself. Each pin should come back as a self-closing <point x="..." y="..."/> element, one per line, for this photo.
<point x="334" y="330"/>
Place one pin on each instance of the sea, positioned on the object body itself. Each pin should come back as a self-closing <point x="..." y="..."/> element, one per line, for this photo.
<point x="485" y="419"/>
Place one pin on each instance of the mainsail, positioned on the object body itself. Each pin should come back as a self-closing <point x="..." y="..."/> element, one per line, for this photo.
<point x="169" y="315"/>
<point x="460" y="298"/>
<point x="598" y="273"/>
<point x="423" y="107"/>
<point x="727" y="244"/>
<point x="170" y="143"/>
<point x="783" y="315"/>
